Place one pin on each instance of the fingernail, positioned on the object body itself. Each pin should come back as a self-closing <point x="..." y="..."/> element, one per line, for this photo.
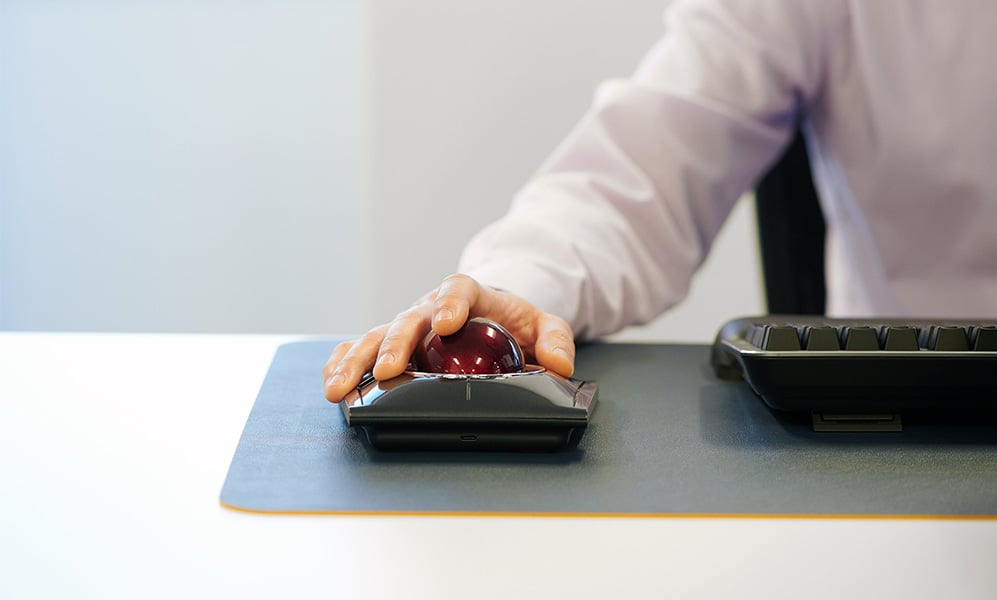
<point x="444" y="315"/>
<point x="561" y="351"/>
<point x="386" y="358"/>
<point x="336" y="380"/>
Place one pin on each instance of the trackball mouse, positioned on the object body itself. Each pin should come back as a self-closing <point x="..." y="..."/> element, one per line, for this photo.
<point x="472" y="391"/>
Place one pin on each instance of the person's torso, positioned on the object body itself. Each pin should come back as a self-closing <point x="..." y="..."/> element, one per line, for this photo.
<point x="905" y="159"/>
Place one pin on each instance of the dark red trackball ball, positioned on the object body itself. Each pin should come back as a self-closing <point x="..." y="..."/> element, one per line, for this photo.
<point x="480" y="347"/>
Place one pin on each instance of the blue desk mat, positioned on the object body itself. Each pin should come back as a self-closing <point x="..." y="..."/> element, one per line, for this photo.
<point x="667" y="438"/>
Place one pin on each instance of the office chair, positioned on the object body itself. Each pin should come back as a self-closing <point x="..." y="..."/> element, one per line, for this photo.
<point x="791" y="234"/>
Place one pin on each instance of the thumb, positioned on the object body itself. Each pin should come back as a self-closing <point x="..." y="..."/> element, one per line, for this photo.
<point x="555" y="345"/>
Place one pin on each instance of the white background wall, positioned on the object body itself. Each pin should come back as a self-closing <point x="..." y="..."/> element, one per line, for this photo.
<point x="265" y="166"/>
<point x="179" y="165"/>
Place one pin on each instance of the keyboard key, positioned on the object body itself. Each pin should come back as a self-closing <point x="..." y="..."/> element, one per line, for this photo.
<point x="756" y="335"/>
<point x="820" y="337"/>
<point x="945" y="338"/>
<point x="859" y="338"/>
<point x="984" y="338"/>
<point x="776" y="338"/>
<point x="898" y="338"/>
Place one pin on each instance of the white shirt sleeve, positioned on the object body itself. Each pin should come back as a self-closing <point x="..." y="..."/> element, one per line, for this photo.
<point x="610" y="230"/>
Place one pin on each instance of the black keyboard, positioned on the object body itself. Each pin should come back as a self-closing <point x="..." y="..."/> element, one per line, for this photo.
<point x="855" y="367"/>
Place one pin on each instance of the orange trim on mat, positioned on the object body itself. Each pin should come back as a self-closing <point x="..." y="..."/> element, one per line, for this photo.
<point x="610" y="515"/>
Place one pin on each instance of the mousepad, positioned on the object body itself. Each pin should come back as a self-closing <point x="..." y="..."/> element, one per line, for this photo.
<point x="667" y="439"/>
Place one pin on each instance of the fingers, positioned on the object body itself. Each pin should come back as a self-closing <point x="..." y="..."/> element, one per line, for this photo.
<point x="388" y="348"/>
<point x="403" y="334"/>
<point x="555" y="345"/>
<point x="456" y="296"/>
<point x="349" y="361"/>
<point x="392" y="344"/>
<point x="460" y="297"/>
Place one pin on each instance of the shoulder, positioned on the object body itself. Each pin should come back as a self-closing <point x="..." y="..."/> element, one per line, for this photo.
<point x="783" y="45"/>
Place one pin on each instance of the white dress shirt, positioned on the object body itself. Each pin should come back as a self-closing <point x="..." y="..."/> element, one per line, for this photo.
<point x="899" y="104"/>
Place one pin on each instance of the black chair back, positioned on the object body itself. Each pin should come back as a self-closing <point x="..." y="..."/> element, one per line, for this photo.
<point x="791" y="234"/>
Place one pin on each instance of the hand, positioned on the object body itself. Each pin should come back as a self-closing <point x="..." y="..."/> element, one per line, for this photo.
<point x="546" y="339"/>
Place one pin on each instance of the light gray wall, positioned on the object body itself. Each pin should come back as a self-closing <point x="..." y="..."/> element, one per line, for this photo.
<point x="282" y="166"/>
<point x="179" y="165"/>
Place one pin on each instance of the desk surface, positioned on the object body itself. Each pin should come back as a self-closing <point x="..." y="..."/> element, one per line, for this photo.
<point x="115" y="448"/>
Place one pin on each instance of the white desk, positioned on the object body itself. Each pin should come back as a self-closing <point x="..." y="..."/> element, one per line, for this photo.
<point x="115" y="448"/>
